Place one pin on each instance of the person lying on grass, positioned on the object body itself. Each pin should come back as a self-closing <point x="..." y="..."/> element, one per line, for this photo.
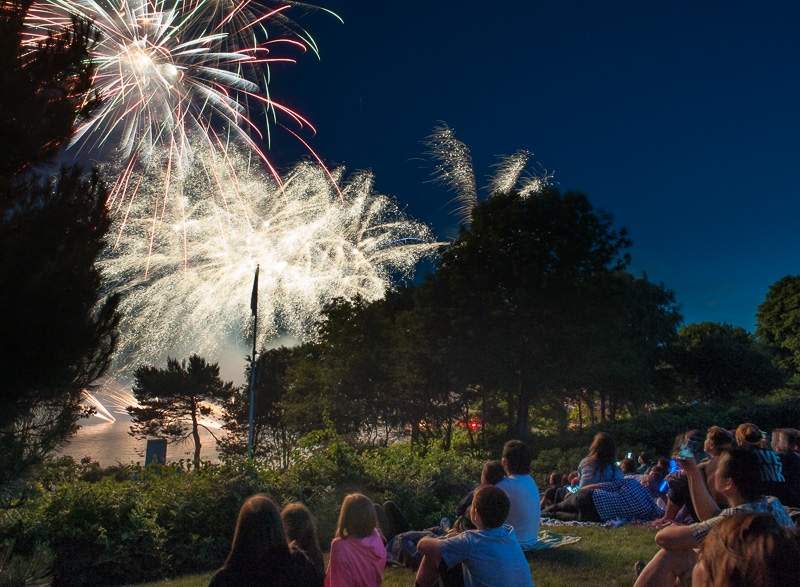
<point x="737" y="479"/>
<point x="490" y="556"/>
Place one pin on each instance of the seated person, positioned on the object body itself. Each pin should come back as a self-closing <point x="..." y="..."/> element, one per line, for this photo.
<point x="642" y="464"/>
<point x="605" y="494"/>
<point x="357" y="556"/>
<point x="301" y="533"/>
<point x="599" y="465"/>
<point x="489" y="555"/>
<point x="525" y="513"/>
<point x="716" y="441"/>
<point x="773" y="482"/>
<point x="750" y="550"/>
<point x="628" y="468"/>
<point x="492" y="473"/>
<point x="784" y="442"/>
<point x="260" y="554"/>
<point x="550" y="495"/>
<point x="737" y="479"/>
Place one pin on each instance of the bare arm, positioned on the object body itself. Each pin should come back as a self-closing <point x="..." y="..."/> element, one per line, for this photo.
<point x="676" y="538"/>
<point x="704" y="503"/>
<point x="431" y="547"/>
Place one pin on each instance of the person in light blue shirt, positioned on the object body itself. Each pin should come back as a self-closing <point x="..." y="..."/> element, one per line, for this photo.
<point x="490" y="556"/>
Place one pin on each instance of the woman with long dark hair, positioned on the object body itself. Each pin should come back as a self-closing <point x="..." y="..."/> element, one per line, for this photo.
<point x="599" y="465"/>
<point x="301" y="532"/>
<point x="259" y="553"/>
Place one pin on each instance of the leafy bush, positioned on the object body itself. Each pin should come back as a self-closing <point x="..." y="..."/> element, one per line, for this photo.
<point x="130" y="524"/>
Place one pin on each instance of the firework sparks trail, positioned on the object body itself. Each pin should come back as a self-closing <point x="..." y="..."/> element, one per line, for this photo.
<point x="167" y="71"/>
<point x="117" y="400"/>
<point x="312" y="245"/>
<point x="454" y="169"/>
<point x="508" y="171"/>
<point x="100" y="410"/>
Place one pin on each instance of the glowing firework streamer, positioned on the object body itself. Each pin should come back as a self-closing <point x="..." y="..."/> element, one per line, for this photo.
<point x="100" y="410"/>
<point x="312" y="245"/>
<point x="453" y="168"/>
<point x="508" y="171"/>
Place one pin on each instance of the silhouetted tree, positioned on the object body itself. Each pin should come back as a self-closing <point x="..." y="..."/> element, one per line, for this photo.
<point x="172" y="401"/>
<point x="58" y="330"/>
<point x="516" y="284"/>
<point x="273" y="435"/>
<point x="718" y="361"/>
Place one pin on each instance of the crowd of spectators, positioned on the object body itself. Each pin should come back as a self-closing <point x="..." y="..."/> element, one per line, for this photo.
<point x="721" y="506"/>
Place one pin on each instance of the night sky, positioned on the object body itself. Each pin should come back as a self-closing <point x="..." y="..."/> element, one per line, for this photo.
<point x="679" y="118"/>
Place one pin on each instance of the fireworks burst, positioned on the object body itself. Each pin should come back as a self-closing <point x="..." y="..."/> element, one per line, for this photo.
<point x="311" y="243"/>
<point x="174" y="73"/>
<point x="454" y="169"/>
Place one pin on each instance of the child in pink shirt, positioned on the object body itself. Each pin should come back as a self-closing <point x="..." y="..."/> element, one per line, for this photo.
<point x="358" y="555"/>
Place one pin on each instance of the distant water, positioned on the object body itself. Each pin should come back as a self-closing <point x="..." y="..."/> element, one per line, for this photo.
<point x="109" y="443"/>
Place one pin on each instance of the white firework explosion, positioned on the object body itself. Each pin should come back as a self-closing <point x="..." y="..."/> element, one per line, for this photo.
<point x="313" y="241"/>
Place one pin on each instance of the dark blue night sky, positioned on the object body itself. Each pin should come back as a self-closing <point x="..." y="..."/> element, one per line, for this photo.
<point x="680" y="118"/>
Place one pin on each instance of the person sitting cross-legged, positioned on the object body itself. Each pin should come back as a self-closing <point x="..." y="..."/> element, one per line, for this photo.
<point x="490" y="555"/>
<point x="737" y="478"/>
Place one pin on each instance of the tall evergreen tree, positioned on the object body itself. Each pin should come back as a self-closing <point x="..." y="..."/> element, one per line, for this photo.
<point x="59" y="330"/>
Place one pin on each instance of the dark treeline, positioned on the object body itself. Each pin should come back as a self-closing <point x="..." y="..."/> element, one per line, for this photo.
<point x="531" y="322"/>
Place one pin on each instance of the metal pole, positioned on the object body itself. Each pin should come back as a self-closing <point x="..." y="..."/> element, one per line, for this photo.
<point x="251" y="407"/>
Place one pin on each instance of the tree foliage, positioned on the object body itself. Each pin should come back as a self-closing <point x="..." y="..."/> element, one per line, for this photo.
<point x="59" y="330"/>
<point x="173" y="401"/>
<point x="718" y="361"/>
<point x="778" y="321"/>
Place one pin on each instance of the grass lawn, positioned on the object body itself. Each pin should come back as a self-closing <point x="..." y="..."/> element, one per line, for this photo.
<point x="602" y="557"/>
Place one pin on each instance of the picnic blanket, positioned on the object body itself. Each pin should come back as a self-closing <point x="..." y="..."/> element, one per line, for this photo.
<point x="615" y="523"/>
<point x="548" y="540"/>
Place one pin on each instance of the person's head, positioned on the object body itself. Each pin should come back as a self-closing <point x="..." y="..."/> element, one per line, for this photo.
<point x="663" y="462"/>
<point x="517" y="458"/>
<point x="602" y="450"/>
<point x="492" y="473"/>
<point x="642" y="460"/>
<point x="737" y="476"/>
<point x="490" y="507"/>
<point x="259" y="531"/>
<point x="301" y="528"/>
<point x="748" y="434"/>
<point x="357" y="518"/>
<point x="574" y="477"/>
<point x="555" y="479"/>
<point x="748" y="550"/>
<point x="628" y="466"/>
<point x="655" y="475"/>
<point x="717" y="440"/>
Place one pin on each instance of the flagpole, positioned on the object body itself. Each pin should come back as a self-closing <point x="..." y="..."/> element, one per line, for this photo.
<point x="251" y="407"/>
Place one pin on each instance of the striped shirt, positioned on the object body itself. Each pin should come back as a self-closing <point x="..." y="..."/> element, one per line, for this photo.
<point x="763" y="505"/>
<point x="770" y="465"/>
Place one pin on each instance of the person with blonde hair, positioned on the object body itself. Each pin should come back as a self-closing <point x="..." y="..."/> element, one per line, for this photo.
<point x="750" y="550"/>
<point x="259" y="553"/>
<point x="358" y="555"/>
